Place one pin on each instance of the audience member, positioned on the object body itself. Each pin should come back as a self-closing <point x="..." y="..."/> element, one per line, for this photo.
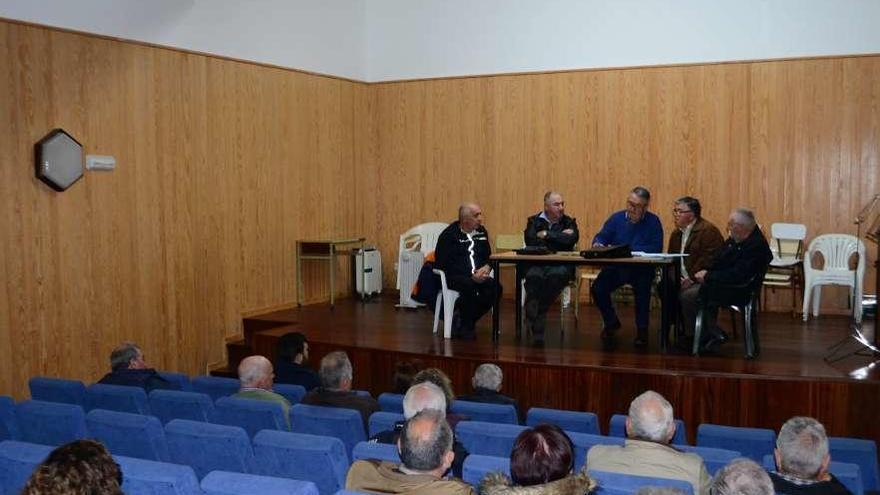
<point x="256" y="377"/>
<point x="540" y="464"/>
<point x="335" y="389"/>
<point x="129" y="367"/>
<point x="290" y="365"/>
<point x="802" y="460"/>
<point x="437" y="377"/>
<point x="83" y="467"/>
<point x="425" y="447"/>
<point x="741" y="477"/>
<point x="487" y="382"/>
<point x="404" y="372"/>
<point x="649" y="428"/>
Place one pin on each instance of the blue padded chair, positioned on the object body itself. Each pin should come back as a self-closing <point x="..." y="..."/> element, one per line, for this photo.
<point x="617" y="428"/>
<point x="624" y="484"/>
<point x="143" y="477"/>
<point x="8" y="424"/>
<point x="252" y="415"/>
<point x="50" y="423"/>
<point x="583" y="442"/>
<point x="373" y="450"/>
<point x="171" y="404"/>
<point x="17" y="462"/>
<point x="120" y="398"/>
<point x="476" y="467"/>
<point x="344" y="424"/>
<point x="215" y="386"/>
<point x="293" y="393"/>
<point x="489" y="413"/>
<point x="349" y="492"/>
<point x="391" y="402"/>
<point x="319" y="459"/>
<point x="383" y="421"/>
<point x="713" y="458"/>
<point x="362" y="393"/>
<point x="208" y="447"/>
<point x="576" y="421"/>
<point x="857" y="451"/>
<point x="754" y="443"/>
<point x="494" y="439"/>
<point x="58" y="390"/>
<point x="849" y="474"/>
<point x="127" y="434"/>
<point x="180" y="379"/>
<point x="226" y="483"/>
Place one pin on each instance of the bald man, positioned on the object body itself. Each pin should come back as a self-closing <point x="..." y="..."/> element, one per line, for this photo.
<point x="463" y="252"/>
<point x="256" y="376"/>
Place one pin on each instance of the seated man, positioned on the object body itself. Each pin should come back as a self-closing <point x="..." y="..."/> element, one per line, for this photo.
<point x="641" y="231"/>
<point x="743" y="256"/>
<point x="649" y="429"/>
<point x="293" y="353"/>
<point x="425" y="447"/>
<point x="802" y="460"/>
<point x="463" y="252"/>
<point x="128" y="367"/>
<point x="335" y="389"/>
<point x="700" y="240"/>
<point x="255" y="375"/>
<point x="741" y="477"/>
<point x="487" y="387"/>
<point x="555" y="230"/>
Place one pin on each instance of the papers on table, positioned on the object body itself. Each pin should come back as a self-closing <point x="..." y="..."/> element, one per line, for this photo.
<point x="659" y="256"/>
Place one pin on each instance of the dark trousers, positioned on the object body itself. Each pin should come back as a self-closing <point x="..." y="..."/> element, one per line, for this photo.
<point x="474" y="301"/>
<point x="543" y="285"/>
<point x="612" y="277"/>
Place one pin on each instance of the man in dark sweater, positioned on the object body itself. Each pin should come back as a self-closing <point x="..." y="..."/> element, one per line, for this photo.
<point x="335" y="389"/>
<point x="128" y="367"/>
<point x="290" y="367"/>
<point x="487" y="382"/>
<point x="802" y="460"/>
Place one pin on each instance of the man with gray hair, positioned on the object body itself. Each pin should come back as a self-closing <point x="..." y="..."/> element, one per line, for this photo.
<point x="335" y="390"/>
<point x="425" y="448"/>
<point x="802" y="460"/>
<point x="257" y="377"/>
<point x="741" y="477"/>
<point x="487" y="387"/>
<point x="650" y="427"/>
<point x="129" y="367"/>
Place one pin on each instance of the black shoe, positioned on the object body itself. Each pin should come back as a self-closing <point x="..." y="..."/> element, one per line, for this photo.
<point x="611" y="328"/>
<point x="641" y="340"/>
<point x="538" y="341"/>
<point x="714" y="342"/>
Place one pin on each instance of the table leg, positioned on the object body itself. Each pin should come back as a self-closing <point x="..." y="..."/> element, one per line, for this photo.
<point x="495" y="304"/>
<point x="517" y="302"/>
<point x="665" y="303"/>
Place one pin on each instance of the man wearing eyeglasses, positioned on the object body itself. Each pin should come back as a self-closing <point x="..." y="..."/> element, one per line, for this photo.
<point x="641" y="231"/>
<point x="699" y="239"/>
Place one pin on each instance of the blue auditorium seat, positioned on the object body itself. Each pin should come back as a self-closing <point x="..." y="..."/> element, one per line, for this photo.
<point x="58" y="390"/>
<point x="576" y="421"/>
<point x="319" y="459"/>
<point x="127" y="434"/>
<point x="349" y="492"/>
<point x="489" y="413"/>
<point x="226" y="483"/>
<point x="50" y="423"/>
<point x="383" y="421"/>
<point x="391" y="403"/>
<point x="362" y="393"/>
<point x="293" y="393"/>
<point x="252" y="415"/>
<point x="143" y="477"/>
<point x="180" y="379"/>
<point x="476" y="467"/>
<point x="17" y="462"/>
<point x="849" y="474"/>
<point x="617" y="428"/>
<point x="624" y="484"/>
<point x="754" y="443"/>
<point x="117" y="398"/>
<point x="857" y="451"/>
<point x="171" y="404"/>
<point x="8" y="424"/>
<point x="344" y="424"/>
<point x="208" y="447"/>
<point x="494" y="439"/>
<point x="713" y="458"/>
<point x="215" y="386"/>
<point x="583" y="442"/>
<point x="373" y="450"/>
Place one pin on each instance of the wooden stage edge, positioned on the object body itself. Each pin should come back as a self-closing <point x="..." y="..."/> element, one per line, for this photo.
<point x="572" y="371"/>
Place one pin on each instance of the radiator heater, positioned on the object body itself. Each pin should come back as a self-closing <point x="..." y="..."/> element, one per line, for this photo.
<point x="408" y="266"/>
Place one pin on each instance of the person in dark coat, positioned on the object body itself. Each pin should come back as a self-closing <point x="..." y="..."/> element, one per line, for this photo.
<point x="128" y="367"/>
<point x="802" y="460"/>
<point x="290" y="365"/>
<point x="487" y="382"/>
<point x="335" y="390"/>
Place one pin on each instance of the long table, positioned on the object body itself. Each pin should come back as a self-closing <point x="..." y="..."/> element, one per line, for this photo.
<point x="668" y="282"/>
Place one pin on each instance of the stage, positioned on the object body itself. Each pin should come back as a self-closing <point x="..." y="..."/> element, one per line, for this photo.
<point x="573" y="371"/>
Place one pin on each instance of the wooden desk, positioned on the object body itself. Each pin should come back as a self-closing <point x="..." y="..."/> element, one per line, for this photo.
<point x="668" y="294"/>
<point x="322" y="250"/>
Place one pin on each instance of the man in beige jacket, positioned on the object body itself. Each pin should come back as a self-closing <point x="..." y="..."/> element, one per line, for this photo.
<point x="425" y="447"/>
<point x="649" y="428"/>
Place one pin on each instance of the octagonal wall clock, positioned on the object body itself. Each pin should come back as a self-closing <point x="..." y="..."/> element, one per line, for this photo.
<point x="59" y="160"/>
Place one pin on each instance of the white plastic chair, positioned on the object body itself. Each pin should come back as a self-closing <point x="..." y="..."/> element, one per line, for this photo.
<point x="836" y="250"/>
<point x="786" y="267"/>
<point x="445" y="298"/>
<point x="415" y="243"/>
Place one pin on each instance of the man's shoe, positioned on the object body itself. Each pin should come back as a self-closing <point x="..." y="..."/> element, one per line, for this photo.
<point x="714" y="342"/>
<point x="641" y="340"/>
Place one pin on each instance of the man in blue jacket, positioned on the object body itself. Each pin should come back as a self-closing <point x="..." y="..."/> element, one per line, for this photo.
<point x="641" y="230"/>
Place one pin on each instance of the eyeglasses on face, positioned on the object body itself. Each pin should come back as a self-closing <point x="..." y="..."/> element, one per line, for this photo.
<point x="677" y="211"/>
<point x="636" y="206"/>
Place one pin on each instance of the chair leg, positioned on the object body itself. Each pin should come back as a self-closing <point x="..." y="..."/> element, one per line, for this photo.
<point x="808" y="291"/>
<point x="733" y="331"/>
<point x="748" y="336"/>
<point x="698" y="330"/>
<point x="448" y="315"/>
<point x="437" y="311"/>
